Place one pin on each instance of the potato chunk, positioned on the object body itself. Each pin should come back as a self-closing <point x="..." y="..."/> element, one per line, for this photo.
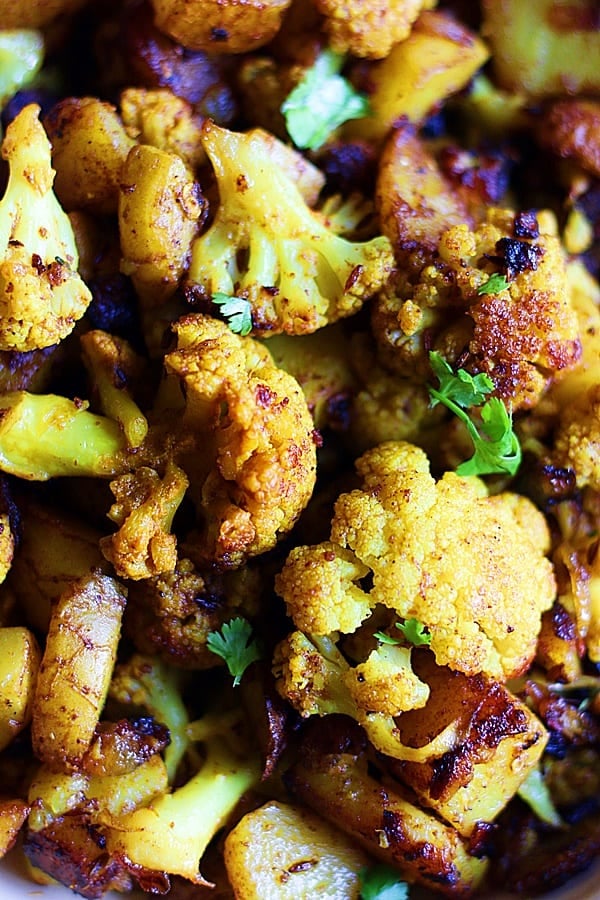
<point x="76" y="669"/>
<point x="281" y="851"/>
<point x="19" y="663"/>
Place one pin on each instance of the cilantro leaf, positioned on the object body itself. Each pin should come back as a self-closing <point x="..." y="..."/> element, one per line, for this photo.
<point x="233" y="644"/>
<point x="237" y="310"/>
<point x="495" y="283"/>
<point x="497" y="448"/>
<point x="499" y="451"/>
<point x="321" y="102"/>
<point x="381" y="882"/>
<point x="462" y="388"/>
<point x="412" y="630"/>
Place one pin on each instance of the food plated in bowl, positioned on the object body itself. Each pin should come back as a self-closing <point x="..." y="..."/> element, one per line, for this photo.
<point x="299" y="321"/>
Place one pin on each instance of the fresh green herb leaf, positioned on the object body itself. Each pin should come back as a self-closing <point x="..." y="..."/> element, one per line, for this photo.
<point x="460" y="387"/>
<point x="495" y="283"/>
<point x="321" y="102"/>
<point x="497" y="448"/>
<point x="384" y="638"/>
<point x="534" y="791"/>
<point x="381" y="882"/>
<point x="414" y="631"/>
<point x="233" y="644"/>
<point x="237" y="310"/>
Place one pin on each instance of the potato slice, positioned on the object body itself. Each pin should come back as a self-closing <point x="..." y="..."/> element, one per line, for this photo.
<point x="285" y="852"/>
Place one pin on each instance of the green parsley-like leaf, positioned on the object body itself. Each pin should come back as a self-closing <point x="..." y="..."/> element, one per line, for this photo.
<point x="237" y="310"/>
<point x="233" y="644"/>
<point x="321" y="102"/>
<point x="459" y="387"/>
<point x="495" y="283"/>
<point x="414" y="631"/>
<point x="497" y="448"/>
<point x="381" y="882"/>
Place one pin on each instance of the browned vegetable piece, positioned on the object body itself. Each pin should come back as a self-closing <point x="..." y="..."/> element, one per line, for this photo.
<point x="437" y="59"/>
<point x="416" y="202"/>
<point x="220" y="26"/>
<point x="19" y="663"/>
<point x="369" y="29"/>
<point x="35" y="13"/>
<point x="72" y="851"/>
<point x="13" y="814"/>
<point x="146" y="57"/>
<point x="76" y="669"/>
<point x="160" y="210"/>
<point x="284" y="851"/>
<point x="89" y="148"/>
<point x="542" y="47"/>
<point x="571" y="129"/>
<point x="55" y="549"/>
<point x="385" y="822"/>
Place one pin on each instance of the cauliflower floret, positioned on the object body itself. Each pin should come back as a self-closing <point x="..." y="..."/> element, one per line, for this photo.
<point x="41" y="294"/>
<point x="266" y="245"/>
<point x="523" y="335"/>
<point x="372" y="30"/>
<point x="468" y="566"/>
<point x="317" y="680"/>
<point x="577" y="440"/>
<point x="144" y="509"/>
<point x="252" y="470"/>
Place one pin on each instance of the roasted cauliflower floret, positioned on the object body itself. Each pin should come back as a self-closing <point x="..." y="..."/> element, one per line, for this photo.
<point x="497" y="298"/>
<point x="267" y="246"/>
<point x="468" y="566"/>
<point x="317" y="679"/>
<point x="369" y="31"/>
<point x="41" y="294"/>
<point x="252" y="467"/>
<point x="144" y="507"/>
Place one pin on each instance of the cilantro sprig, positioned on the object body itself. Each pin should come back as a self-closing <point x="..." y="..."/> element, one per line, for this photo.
<point x="237" y="310"/>
<point x="381" y="882"/>
<point x="321" y="102"/>
<point x="412" y="630"/>
<point x="496" y="446"/>
<point x="233" y="644"/>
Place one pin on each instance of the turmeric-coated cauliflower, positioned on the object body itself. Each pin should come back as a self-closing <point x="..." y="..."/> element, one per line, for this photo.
<point x="370" y="30"/>
<point x="469" y="567"/>
<point x="495" y="299"/>
<point x="267" y="246"/>
<point x="41" y="294"/>
<point x="251" y="458"/>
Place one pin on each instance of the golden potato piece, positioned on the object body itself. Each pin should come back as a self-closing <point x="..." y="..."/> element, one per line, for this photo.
<point x="89" y="148"/>
<point x="160" y="206"/>
<point x="13" y="814"/>
<point x="543" y="47"/>
<point x="289" y="853"/>
<point x="76" y="669"/>
<point x="436" y="60"/>
<point x="220" y="26"/>
<point x="19" y="663"/>
<point x="416" y="202"/>
<point x="571" y="129"/>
